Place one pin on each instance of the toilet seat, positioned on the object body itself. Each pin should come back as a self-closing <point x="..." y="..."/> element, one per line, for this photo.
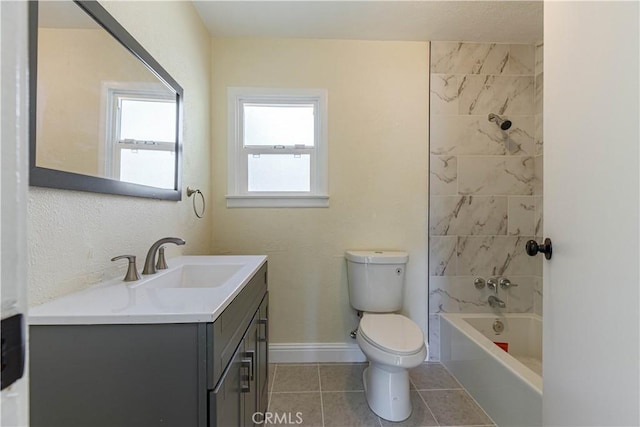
<point x="392" y="333"/>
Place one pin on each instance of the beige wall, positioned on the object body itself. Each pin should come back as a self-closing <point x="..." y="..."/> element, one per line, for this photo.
<point x="378" y="132"/>
<point x="73" y="235"/>
<point x="72" y="65"/>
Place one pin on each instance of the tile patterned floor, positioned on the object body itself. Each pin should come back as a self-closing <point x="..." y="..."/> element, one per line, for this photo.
<point x="332" y="395"/>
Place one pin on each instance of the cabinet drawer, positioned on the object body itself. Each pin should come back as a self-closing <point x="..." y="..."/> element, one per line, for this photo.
<point x="224" y="335"/>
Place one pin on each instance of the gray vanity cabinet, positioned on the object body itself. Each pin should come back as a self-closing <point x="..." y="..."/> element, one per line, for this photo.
<point x="263" y="355"/>
<point x="138" y="375"/>
<point x="226" y="401"/>
<point x="242" y="390"/>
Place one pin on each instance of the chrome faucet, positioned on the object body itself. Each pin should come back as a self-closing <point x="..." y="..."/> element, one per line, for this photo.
<point x="494" y="302"/>
<point x="150" y="261"/>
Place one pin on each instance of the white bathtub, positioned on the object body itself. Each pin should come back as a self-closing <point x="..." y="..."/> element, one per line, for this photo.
<point x="508" y="386"/>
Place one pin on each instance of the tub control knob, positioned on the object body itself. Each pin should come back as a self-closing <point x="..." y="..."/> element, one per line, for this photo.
<point x="506" y="283"/>
<point x="479" y="283"/>
<point x="498" y="326"/>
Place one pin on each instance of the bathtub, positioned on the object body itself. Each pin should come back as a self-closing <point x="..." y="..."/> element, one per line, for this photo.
<point x="508" y="386"/>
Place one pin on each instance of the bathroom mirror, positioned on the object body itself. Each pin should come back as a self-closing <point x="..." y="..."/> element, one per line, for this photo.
<point x="105" y="117"/>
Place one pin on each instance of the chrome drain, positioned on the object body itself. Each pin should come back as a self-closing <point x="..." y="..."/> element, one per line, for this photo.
<point x="498" y="326"/>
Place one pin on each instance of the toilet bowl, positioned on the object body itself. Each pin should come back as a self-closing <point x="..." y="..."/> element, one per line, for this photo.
<point x="393" y="344"/>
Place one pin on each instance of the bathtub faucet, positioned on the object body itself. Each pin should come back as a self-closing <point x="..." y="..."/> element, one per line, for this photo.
<point x="494" y="302"/>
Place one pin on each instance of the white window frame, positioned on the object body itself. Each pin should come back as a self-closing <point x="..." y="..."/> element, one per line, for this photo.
<point x="112" y="145"/>
<point x="237" y="155"/>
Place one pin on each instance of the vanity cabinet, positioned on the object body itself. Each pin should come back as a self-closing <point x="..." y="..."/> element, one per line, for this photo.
<point x="159" y="374"/>
<point x="242" y="389"/>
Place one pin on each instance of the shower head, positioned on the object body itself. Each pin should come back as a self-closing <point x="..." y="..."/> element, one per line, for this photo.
<point x="504" y="124"/>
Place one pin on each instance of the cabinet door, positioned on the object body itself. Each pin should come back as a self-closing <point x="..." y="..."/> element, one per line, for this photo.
<point x="250" y="376"/>
<point x="227" y="400"/>
<point x="263" y="354"/>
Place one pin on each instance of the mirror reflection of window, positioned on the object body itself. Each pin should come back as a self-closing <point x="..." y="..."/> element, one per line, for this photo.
<point x="100" y="111"/>
<point x="141" y="133"/>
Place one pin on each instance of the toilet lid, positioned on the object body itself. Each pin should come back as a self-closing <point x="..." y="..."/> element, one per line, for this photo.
<point x="391" y="332"/>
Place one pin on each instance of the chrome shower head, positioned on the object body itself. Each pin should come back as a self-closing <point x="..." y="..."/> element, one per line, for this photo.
<point x="504" y="124"/>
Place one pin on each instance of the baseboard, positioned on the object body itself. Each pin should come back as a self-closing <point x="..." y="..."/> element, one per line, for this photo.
<point x="315" y="353"/>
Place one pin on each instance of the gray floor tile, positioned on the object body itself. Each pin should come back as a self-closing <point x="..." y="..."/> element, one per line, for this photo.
<point x="347" y="409"/>
<point x="432" y="376"/>
<point x="454" y="408"/>
<point x="296" y="378"/>
<point x="296" y="388"/>
<point x="272" y="372"/>
<point x="420" y="415"/>
<point x="342" y="377"/>
<point x="302" y="409"/>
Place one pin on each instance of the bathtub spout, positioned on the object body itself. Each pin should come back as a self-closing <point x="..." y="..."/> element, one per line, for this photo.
<point x="494" y="302"/>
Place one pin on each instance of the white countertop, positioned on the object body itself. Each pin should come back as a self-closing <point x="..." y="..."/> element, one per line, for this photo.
<point x="149" y="300"/>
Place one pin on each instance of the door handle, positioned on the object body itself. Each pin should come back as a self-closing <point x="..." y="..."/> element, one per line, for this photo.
<point x="252" y="365"/>
<point x="246" y="364"/>
<point x="533" y="248"/>
<point x="264" y="322"/>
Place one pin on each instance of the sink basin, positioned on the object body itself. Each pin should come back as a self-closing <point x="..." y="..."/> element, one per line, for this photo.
<point x="207" y="276"/>
<point x="195" y="276"/>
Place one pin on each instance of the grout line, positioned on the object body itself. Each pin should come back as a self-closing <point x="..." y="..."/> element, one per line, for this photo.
<point x="299" y="364"/>
<point x="343" y="363"/>
<point x="440" y="389"/>
<point x="273" y="380"/>
<point x="480" y="407"/>
<point x="297" y="392"/>
<point x="321" y="402"/>
<point x="452" y="376"/>
<point x="467" y="393"/>
<point x="428" y="408"/>
<point x="412" y="383"/>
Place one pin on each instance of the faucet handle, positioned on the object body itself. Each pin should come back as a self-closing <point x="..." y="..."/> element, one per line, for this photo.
<point x="162" y="262"/>
<point x="506" y="283"/>
<point x="492" y="284"/>
<point x="132" y="271"/>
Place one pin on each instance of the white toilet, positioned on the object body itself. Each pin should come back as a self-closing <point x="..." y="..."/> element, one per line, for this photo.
<point x="392" y="343"/>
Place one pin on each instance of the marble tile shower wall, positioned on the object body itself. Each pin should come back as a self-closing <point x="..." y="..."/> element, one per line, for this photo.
<point x="485" y="183"/>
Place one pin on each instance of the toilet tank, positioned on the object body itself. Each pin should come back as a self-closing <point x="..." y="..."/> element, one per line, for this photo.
<point x="376" y="280"/>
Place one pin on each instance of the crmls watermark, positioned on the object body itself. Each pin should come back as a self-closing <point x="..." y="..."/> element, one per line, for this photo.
<point x="268" y="418"/>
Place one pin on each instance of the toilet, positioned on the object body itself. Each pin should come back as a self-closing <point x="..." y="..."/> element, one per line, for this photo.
<point x="392" y="343"/>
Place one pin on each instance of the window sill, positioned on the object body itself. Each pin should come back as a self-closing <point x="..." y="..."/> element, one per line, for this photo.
<point x="277" y="201"/>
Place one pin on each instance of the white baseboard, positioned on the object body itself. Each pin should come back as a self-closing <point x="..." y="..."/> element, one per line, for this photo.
<point x="315" y="353"/>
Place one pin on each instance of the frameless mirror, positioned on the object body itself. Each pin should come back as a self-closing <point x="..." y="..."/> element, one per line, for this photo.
<point x="105" y="116"/>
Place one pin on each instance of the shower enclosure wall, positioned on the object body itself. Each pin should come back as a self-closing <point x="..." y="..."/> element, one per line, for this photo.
<point x="485" y="197"/>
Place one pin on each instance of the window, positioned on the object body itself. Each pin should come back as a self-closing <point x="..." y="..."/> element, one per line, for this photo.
<point x="140" y="136"/>
<point x="277" y="148"/>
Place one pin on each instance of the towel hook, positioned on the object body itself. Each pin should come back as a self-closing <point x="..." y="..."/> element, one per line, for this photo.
<point x="191" y="192"/>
